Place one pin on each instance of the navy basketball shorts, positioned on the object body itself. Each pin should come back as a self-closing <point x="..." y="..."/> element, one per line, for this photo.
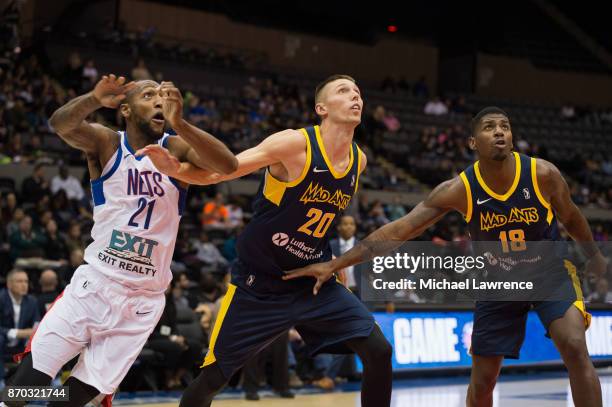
<point x="248" y="321"/>
<point x="499" y="326"/>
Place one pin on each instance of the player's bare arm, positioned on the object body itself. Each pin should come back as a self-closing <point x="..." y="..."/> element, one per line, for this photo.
<point x="556" y="191"/>
<point x="97" y="141"/>
<point x="284" y="152"/>
<point x="194" y="145"/>
<point x="449" y="195"/>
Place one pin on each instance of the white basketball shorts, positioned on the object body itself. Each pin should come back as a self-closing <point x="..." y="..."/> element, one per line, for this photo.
<point x="104" y="321"/>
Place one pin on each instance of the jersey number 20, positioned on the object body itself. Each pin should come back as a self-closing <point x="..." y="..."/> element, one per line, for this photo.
<point x="318" y="218"/>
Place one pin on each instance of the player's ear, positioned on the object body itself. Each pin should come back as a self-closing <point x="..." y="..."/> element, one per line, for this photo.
<point x="321" y="109"/>
<point x="125" y="110"/>
<point x="472" y="143"/>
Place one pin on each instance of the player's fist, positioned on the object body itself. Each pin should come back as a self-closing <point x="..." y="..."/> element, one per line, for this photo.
<point x="172" y="103"/>
<point x="110" y="91"/>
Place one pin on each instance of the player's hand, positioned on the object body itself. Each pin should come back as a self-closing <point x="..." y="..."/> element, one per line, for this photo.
<point x="172" y="103"/>
<point x="161" y="158"/>
<point x="110" y="91"/>
<point x="596" y="266"/>
<point x="321" y="271"/>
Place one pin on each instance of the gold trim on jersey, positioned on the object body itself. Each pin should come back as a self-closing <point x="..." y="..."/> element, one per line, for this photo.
<point x="358" y="168"/>
<point x="210" y="356"/>
<point x="328" y="161"/>
<point x="579" y="303"/>
<point x="274" y="189"/>
<point x="468" y="192"/>
<point x="534" y="181"/>
<point x="517" y="177"/>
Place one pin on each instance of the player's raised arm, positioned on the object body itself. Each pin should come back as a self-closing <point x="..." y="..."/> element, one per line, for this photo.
<point x="194" y="145"/>
<point x="557" y="194"/>
<point x="447" y="196"/>
<point x="273" y="150"/>
<point x="69" y="120"/>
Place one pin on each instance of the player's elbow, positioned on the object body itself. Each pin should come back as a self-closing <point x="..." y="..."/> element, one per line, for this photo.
<point x="228" y="166"/>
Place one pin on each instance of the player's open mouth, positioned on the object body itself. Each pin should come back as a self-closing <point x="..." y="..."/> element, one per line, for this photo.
<point x="500" y="143"/>
<point x="158" y="119"/>
<point x="356" y="107"/>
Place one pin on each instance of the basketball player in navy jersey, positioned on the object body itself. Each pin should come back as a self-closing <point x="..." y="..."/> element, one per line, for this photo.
<point x="500" y="182"/>
<point x="113" y="302"/>
<point x="311" y="176"/>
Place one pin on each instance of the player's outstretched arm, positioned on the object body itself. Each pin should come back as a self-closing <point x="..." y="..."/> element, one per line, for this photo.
<point x="69" y="120"/>
<point x="274" y="149"/>
<point x="194" y="145"/>
<point x="557" y="194"/>
<point x="448" y="195"/>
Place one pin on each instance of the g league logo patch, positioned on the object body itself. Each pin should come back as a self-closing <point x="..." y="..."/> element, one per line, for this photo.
<point x="526" y="193"/>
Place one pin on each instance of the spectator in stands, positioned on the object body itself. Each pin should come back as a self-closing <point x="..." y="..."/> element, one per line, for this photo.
<point x="12" y="226"/>
<point x="35" y="186"/>
<point x="19" y="315"/>
<point x="391" y="122"/>
<point x="74" y="240"/>
<point x="396" y="210"/>
<point x="215" y="214"/>
<point x="255" y="368"/>
<point x="49" y="290"/>
<point x="208" y="253"/>
<point x="27" y="242"/>
<point x="179" y="353"/>
<point x="459" y="106"/>
<point x="568" y="112"/>
<point x="69" y="183"/>
<point x="55" y="244"/>
<point x="420" y="88"/>
<point x="436" y="107"/>
<point x="73" y="72"/>
<point x="601" y="293"/>
<point x="235" y="216"/>
<point x="9" y="207"/>
<point x="90" y="73"/>
<point x="140" y="71"/>
<point x="343" y="243"/>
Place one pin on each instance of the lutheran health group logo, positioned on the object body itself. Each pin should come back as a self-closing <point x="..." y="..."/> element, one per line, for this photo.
<point x="296" y="247"/>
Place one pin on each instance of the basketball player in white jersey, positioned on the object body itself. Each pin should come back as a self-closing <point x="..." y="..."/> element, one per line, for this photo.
<point x="112" y="303"/>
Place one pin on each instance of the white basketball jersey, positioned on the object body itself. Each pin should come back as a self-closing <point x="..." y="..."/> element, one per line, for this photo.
<point x="137" y="210"/>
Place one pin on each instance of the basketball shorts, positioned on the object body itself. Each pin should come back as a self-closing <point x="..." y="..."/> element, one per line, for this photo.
<point x="499" y="326"/>
<point x="248" y="321"/>
<point x="103" y="321"/>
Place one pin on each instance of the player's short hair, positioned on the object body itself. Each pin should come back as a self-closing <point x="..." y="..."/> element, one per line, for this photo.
<point x="330" y="79"/>
<point x="486" y="111"/>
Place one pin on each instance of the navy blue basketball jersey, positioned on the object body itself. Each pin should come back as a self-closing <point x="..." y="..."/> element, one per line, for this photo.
<point x="291" y="219"/>
<point x="514" y="219"/>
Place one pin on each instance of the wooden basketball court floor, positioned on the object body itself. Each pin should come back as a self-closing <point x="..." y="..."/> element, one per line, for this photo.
<point x="535" y="390"/>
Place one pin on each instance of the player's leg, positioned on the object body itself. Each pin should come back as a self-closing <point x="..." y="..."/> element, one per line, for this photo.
<point x="246" y="323"/>
<point x="375" y="353"/>
<point x="204" y="388"/>
<point x="568" y="334"/>
<point x="335" y="321"/>
<point x="485" y="370"/>
<point x="26" y="375"/>
<point x="499" y="331"/>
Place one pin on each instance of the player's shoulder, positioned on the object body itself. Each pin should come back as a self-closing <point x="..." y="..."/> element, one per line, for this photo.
<point x="449" y="194"/>
<point x="288" y="139"/>
<point x="107" y="138"/>
<point x="545" y="170"/>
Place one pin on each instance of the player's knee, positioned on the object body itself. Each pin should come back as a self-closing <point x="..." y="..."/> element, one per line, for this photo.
<point x="482" y="385"/>
<point x="211" y="377"/>
<point x="574" y="348"/>
<point x="378" y="351"/>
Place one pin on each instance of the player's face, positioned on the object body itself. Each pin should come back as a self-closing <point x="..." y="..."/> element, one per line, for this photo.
<point x="493" y="139"/>
<point x="341" y="102"/>
<point x="145" y="108"/>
